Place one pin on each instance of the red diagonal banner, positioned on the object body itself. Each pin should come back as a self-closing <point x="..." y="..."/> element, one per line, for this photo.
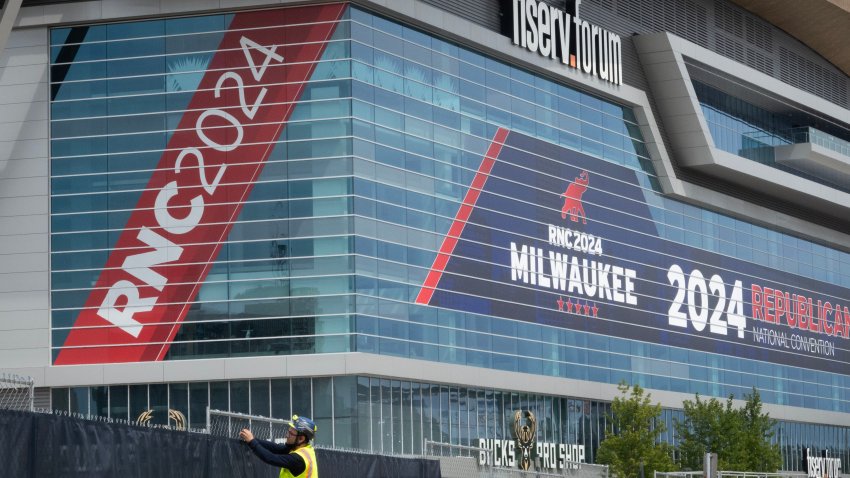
<point x="196" y="193"/>
<point x="461" y="218"/>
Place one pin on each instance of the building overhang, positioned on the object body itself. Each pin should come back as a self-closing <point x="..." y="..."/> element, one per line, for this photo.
<point x="672" y="63"/>
<point x="815" y="159"/>
<point x="816" y="28"/>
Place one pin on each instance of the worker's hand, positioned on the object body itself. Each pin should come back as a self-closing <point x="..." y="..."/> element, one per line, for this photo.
<point x="246" y="435"/>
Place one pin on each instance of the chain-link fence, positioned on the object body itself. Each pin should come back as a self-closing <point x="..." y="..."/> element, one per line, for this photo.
<point x="750" y="474"/>
<point x="460" y="461"/>
<point x="729" y="474"/>
<point x="679" y="474"/>
<point x="228" y="424"/>
<point x="17" y="392"/>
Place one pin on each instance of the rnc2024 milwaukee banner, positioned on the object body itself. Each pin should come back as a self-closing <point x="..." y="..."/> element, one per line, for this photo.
<point x="159" y="262"/>
<point x="555" y="237"/>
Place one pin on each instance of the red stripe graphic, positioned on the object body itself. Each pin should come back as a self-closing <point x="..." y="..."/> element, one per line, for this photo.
<point x="212" y="160"/>
<point x="463" y="213"/>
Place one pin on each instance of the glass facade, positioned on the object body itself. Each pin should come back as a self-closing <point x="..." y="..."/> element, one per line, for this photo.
<point x="282" y="281"/>
<point x="368" y="413"/>
<point x="345" y="221"/>
<point x="396" y="416"/>
<point x="744" y="129"/>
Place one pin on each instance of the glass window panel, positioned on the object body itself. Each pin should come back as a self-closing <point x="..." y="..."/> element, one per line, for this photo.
<point x="100" y="402"/>
<point x="386" y="417"/>
<point x="302" y="402"/>
<point x="260" y="398"/>
<point x="198" y="403"/>
<point x="323" y="410"/>
<point x="375" y="414"/>
<point x="397" y="414"/>
<point x="220" y="396"/>
<point x="59" y="399"/>
<point x="239" y="392"/>
<point x="280" y="395"/>
<point x="158" y="403"/>
<point x="138" y="400"/>
<point x="178" y="400"/>
<point x="80" y="400"/>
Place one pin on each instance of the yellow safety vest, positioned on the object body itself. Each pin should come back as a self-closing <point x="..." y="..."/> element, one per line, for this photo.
<point x="309" y="455"/>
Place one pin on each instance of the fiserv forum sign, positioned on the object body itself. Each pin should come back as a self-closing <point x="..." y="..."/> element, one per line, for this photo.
<point x="555" y="33"/>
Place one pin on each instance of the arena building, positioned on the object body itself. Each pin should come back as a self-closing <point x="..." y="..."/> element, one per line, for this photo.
<point x="429" y="220"/>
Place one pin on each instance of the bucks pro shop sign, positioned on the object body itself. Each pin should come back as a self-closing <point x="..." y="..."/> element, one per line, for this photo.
<point x="524" y="450"/>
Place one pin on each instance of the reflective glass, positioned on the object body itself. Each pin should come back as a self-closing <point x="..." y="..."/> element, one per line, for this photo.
<point x="359" y="190"/>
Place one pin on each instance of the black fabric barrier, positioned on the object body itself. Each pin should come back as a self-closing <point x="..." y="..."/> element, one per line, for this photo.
<point x="34" y="445"/>
<point x="344" y="464"/>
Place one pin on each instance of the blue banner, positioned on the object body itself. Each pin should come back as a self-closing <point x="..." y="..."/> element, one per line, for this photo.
<point x="557" y="237"/>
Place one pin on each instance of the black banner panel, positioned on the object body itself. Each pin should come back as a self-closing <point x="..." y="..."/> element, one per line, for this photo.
<point x="36" y="445"/>
<point x="560" y="238"/>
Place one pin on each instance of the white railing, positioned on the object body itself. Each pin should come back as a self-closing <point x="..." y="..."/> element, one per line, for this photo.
<point x="729" y="474"/>
<point x="751" y="474"/>
<point x="807" y="134"/>
<point x="679" y="474"/>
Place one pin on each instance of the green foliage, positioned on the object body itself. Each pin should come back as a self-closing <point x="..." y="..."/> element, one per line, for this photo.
<point x="708" y="426"/>
<point x="758" y="453"/>
<point x="740" y="437"/>
<point x="634" y="438"/>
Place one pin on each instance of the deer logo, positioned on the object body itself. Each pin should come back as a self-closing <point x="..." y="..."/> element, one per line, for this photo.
<point x="175" y="416"/>
<point x="572" y="198"/>
<point x="525" y="430"/>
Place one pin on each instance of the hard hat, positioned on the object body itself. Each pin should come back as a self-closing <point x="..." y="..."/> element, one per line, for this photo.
<point x="304" y="426"/>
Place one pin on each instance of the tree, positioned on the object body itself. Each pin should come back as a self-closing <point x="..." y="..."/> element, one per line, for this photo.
<point x="740" y="437"/>
<point x="708" y="426"/>
<point x="758" y="452"/>
<point x="634" y="437"/>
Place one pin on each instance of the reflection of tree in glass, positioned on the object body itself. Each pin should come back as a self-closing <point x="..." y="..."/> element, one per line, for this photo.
<point x="417" y="81"/>
<point x="388" y="62"/>
<point x="388" y="72"/>
<point x="185" y="73"/>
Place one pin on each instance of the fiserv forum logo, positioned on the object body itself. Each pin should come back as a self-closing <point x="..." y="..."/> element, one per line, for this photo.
<point x="183" y="217"/>
<point x="557" y="34"/>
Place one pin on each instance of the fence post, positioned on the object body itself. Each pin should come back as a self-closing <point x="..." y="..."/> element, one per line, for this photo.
<point x="710" y="465"/>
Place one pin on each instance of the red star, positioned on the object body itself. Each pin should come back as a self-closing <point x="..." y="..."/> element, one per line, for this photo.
<point x="560" y="302"/>
<point x="586" y="309"/>
<point x="569" y="306"/>
<point x="595" y="310"/>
